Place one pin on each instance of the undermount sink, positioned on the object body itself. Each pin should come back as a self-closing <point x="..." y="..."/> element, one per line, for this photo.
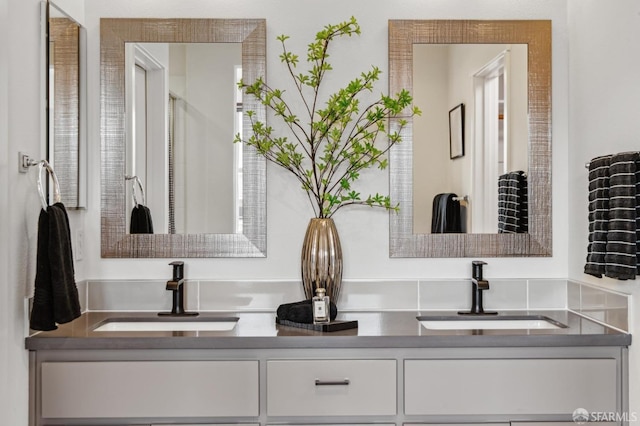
<point x="507" y="322"/>
<point x="168" y="324"/>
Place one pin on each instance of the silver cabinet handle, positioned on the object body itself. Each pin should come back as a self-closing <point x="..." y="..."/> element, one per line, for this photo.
<point x="332" y="382"/>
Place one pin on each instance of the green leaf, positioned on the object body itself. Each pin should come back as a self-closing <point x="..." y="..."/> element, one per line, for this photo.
<point x="331" y="139"/>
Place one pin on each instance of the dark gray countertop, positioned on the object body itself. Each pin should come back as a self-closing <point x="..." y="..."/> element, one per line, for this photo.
<point x="258" y="330"/>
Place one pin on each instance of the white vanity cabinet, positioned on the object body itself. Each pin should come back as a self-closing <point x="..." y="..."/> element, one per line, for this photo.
<point x="491" y="386"/>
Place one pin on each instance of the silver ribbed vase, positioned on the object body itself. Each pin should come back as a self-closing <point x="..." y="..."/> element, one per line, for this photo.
<point x="322" y="259"/>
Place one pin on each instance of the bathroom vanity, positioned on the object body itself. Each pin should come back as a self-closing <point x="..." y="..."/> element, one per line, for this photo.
<point x="390" y="370"/>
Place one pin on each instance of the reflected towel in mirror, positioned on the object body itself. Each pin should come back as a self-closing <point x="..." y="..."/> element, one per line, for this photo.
<point x="141" y="222"/>
<point x="513" y="205"/>
<point x="446" y="216"/>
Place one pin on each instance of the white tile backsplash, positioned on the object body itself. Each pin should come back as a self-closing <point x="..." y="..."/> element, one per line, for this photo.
<point x="505" y="295"/>
<point x="573" y="296"/>
<point x="248" y="295"/>
<point x="356" y="295"/>
<point x="601" y="304"/>
<point x="135" y="295"/>
<point x="82" y="294"/>
<point x="445" y="295"/>
<point x="378" y="295"/>
<point x="598" y="303"/>
<point x="547" y="294"/>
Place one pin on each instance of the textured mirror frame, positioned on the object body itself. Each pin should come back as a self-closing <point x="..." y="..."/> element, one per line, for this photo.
<point x="116" y="242"/>
<point x="403" y="34"/>
<point x="64" y="83"/>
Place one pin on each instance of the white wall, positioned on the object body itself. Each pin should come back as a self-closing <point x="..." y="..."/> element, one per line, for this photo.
<point x="20" y="131"/>
<point x="73" y="8"/>
<point x="8" y="352"/>
<point x="365" y="252"/>
<point x="604" y="98"/>
<point x="431" y="160"/>
<point x="210" y="94"/>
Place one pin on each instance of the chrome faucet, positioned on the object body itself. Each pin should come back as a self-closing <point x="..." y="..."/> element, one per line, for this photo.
<point x="478" y="285"/>
<point x="176" y="285"/>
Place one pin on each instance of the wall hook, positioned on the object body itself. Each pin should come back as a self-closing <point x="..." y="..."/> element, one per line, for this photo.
<point x="24" y="162"/>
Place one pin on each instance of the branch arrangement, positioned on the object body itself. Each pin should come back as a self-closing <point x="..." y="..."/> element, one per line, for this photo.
<point x="334" y="142"/>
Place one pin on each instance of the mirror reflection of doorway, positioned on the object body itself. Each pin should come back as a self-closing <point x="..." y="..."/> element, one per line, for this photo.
<point x="183" y="112"/>
<point x="445" y="76"/>
<point x="145" y="82"/>
<point x="491" y="140"/>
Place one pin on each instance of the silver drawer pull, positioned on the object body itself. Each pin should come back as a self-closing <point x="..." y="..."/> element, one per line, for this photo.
<point x="332" y="382"/>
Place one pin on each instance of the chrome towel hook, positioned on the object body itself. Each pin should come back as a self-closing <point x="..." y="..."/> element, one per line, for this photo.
<point x="135" y="180"/>
<point x="57" y="198"/>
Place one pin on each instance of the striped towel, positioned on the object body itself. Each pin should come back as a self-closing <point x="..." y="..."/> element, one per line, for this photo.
<point x="513" y="214"/>
<point x="621" y="258"/>
<point x="598" y="215"/>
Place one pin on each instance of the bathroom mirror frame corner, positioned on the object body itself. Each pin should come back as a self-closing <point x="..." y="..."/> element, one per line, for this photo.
<point x="115" y="241"/>
<point x="537" y="242"/>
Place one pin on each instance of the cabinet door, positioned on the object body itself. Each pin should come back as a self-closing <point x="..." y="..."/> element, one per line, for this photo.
<point x="140" y="389"/>
<point x="331" y="387"/>
<point x="512" y="387"/>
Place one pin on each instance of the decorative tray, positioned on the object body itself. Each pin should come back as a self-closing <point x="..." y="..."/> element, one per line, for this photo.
<point x="328" y="327"/>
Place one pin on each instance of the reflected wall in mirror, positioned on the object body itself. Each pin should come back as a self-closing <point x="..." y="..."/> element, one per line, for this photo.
<point x="527" y="129"/>
<point x="170" y="109"/>
<point x="65" y="103"/>
<point x="184" y="107"/>
<point x="490" y="82"/>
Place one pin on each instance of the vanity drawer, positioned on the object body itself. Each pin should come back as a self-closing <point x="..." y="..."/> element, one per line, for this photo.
<point x="509" y="386"/>
<point x="149" y="389"/>
<point x="331" y="387"/>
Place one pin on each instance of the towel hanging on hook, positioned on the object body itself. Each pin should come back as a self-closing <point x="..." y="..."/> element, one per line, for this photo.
<point x="135" y="180"/>
<point x="55" y="297"/>
<point x="141" y="222"/>
<point x="57" y="198"/>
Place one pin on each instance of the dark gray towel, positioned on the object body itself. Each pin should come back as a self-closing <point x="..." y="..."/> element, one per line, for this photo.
<point x="598" y="215"/>
<point x="141" y="222"/>
<point x="55" y="298"/>
<point x="513" y="203"/>
<point x="446" y="218"/>
<point x="302" y="312"/>
<point x="621" y="260"/>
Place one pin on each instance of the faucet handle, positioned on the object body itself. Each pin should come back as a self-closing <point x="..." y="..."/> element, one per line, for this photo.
<point x="178" y="269"/>
<point x="477" y="268"/>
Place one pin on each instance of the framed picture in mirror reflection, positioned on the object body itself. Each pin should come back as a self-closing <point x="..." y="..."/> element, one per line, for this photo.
<point x="456" y="131"/>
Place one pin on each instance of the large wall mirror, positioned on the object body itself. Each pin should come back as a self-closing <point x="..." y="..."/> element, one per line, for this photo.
<point x="485" y="85"/>
<point x="170" y="110"/>
<point x="66" y="87"/>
